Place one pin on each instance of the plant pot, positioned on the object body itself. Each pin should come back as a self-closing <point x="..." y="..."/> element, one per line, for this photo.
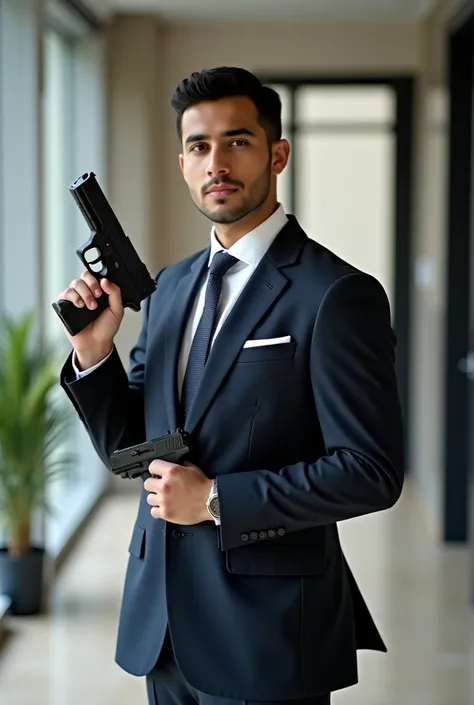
<point x="21" y="579"/>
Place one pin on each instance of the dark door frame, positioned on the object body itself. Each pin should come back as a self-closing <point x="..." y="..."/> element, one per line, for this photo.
<point x="456" y="436"/>
<point x="404" y="88"/>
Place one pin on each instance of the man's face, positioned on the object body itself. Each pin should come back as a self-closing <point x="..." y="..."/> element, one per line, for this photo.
<point x="226" y="160"/>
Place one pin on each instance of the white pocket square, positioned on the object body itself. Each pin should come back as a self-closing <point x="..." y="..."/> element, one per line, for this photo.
<point x="267" y="341"/>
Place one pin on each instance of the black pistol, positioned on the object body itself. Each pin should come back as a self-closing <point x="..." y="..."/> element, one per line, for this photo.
<point x="133" y="461"/>
<point x="107" y="253"/>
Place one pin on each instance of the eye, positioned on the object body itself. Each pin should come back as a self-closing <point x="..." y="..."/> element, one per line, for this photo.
<point x="195" y="148"/>
<point x="240" y="143"/>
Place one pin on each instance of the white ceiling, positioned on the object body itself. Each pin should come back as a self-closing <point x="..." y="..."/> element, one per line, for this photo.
<point x="275" y="10"/>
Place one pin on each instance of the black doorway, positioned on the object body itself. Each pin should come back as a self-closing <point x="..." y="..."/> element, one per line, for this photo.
<point x="403" y="127"/>
<point x="459" y="370"/>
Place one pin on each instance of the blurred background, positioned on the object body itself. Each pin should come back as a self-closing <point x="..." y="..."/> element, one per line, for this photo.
<point x="377" y="104"/>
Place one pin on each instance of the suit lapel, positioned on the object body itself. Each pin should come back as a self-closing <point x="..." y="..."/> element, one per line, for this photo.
<point x="258" y="296"/>
<point x="180" y="309"/>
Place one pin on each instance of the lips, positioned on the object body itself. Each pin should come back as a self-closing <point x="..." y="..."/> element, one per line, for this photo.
<point x="223" y="190"/>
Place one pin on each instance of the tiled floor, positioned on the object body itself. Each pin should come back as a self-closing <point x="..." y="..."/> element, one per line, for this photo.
<point x="417" y="592"/>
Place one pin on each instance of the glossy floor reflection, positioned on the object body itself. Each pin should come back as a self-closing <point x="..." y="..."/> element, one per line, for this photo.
<point x="417" y="592"/>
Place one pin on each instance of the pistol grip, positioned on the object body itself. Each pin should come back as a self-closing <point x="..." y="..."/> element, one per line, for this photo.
<point x="76" y="319"/>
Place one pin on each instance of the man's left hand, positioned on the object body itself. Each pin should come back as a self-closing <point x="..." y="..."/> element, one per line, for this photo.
<point x="178" y="493"/>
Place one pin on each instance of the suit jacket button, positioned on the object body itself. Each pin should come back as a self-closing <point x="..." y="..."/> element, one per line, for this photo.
<point x="262" y="535"/>
<point x="281" y="532"/>
<point x="176" y="534"/>
<point x="244" y="537"/>
<point x="254" y="536"/>
<point x="272" y="533"/>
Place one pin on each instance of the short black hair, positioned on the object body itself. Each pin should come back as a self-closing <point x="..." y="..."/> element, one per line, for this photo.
<point x="227" y="82"/>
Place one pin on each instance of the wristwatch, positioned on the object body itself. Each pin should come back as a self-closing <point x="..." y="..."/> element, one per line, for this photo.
<point x="212" y="503"/>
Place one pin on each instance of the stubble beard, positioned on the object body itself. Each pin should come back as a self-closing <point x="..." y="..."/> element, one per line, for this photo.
<point x="229" y="215"/>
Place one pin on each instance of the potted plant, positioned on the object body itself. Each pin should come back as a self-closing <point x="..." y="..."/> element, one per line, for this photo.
<point x="32" y="428"/>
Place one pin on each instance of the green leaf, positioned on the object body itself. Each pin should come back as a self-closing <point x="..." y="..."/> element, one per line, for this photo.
<point x="34" y="424"/>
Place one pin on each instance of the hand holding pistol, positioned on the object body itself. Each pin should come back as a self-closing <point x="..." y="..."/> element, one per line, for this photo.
<point x="92" y="307"/>
<point x="134" y="461"/>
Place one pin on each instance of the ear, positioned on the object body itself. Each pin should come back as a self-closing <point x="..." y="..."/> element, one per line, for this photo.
<point x="181" y="161"/>
<point x="280" y="156"/>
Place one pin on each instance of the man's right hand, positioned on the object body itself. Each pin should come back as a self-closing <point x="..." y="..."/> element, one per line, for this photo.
<point x="96" y="341"/>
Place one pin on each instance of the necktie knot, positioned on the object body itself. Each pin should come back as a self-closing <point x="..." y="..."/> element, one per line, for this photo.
<point x="221" y="263"/>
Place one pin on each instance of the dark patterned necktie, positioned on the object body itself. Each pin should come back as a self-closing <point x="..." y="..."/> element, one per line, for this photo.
<point x="221" y="263"/>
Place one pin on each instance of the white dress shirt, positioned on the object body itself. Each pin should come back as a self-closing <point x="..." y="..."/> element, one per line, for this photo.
<point x="249" y="250"/>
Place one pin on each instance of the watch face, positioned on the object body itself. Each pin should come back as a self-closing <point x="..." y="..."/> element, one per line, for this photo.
<point x="214" y="507"/>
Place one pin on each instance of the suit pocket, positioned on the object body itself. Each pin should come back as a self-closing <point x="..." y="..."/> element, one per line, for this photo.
<point x="267" y="353"/>
<point x="277" y="559"/>
<point x="137" y="542"/>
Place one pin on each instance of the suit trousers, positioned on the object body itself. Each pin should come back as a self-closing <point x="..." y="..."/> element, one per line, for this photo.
<point x="167" y="686"/>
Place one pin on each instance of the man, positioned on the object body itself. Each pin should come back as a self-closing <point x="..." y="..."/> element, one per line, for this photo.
<point x="278" y="358"/>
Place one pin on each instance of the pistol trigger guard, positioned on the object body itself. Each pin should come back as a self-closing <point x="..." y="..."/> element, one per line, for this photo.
<point x="99" y="259"/>
<point x="98" y="274"/>
<point x="93" y="243"/>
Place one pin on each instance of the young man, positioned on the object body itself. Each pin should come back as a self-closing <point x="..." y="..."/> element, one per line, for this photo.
<point x="278" y="358"/>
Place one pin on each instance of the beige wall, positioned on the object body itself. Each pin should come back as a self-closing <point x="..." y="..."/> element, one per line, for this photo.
<point x="429" y="289"/>
<point x="135" y="142"/>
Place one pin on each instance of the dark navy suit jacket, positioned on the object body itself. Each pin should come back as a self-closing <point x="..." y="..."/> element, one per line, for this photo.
<point x="300" y="435"/>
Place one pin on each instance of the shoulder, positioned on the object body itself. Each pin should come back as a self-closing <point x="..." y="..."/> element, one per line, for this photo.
<point x="329" y="277"/>
<point x="329" y="267"/>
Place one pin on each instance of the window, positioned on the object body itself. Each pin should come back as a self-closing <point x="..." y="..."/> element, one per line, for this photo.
<point x="58" y="157"/>
<point x="19" y="156"/>
<point x="73" y="143"/>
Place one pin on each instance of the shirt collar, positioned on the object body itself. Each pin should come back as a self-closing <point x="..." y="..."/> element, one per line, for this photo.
<point x="252" y="246"/>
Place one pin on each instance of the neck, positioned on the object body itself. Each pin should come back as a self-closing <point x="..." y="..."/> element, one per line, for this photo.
<point x="229" y="234"/>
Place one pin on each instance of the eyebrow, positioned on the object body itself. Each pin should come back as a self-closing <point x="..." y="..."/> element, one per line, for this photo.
<point x="227" y="133"/>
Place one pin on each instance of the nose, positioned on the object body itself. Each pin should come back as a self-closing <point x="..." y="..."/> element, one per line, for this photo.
<point x="217" y="164"/>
